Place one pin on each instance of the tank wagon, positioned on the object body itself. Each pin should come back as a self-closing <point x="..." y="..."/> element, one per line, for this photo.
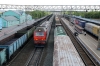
<point x="65" y="53"/>
<point x="41" y="34"/>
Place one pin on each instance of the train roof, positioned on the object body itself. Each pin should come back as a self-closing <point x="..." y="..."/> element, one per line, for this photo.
<point x="41" y="28"/>
<point x="88" y="20"/>
<point x="65" y="53"/>
<point x="59" y="30"/>
<point x="85" y="19"/>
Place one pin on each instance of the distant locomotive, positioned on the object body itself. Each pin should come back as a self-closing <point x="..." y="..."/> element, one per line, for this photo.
<point x="41" y="34"/>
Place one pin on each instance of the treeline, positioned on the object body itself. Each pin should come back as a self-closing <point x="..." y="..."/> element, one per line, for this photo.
<point x="91" y="14"/>
<point x="37" y="14"/>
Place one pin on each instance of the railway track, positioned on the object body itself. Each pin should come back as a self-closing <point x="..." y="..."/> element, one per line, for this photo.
<point x="20" y="59"/>
<point x="35" y="58"/>
<point x="81" y="50"/>
<point x="28" y="56"/>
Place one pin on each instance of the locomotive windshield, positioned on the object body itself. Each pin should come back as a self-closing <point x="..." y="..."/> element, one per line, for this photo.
<point x="39" y="34"/>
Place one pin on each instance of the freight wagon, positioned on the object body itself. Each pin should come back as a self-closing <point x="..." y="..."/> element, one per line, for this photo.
<point x="59" y="31"/>
<point x="82" y="23"/>
<point x="76" y="21"/>
<point x="2" y="56"/>
<point x="28" y="30"/>
<point x="15" y="42"/>
<point x="0" y="23"/>
<point x="65" y="53"/>
<point x="10" y="44"/>
<point x="92" y="28"/>
<point x="78" y="29"/>
<point x="89" y="25"/>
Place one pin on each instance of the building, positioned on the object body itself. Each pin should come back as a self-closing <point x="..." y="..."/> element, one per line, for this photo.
<point x="8" y="21"/>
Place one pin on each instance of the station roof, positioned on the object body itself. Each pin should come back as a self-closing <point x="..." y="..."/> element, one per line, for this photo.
<point x="18" y="12"/>
<point x="10" y="18"/>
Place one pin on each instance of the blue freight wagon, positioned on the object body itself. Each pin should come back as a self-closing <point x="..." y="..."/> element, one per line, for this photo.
<point x="82" y="23"/>
<point x="14" y="43"/>
<point x="0" y="23"/>
<point x="2" y="56"/>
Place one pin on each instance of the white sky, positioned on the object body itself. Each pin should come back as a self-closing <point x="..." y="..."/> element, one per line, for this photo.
<point x="51" y="2"/>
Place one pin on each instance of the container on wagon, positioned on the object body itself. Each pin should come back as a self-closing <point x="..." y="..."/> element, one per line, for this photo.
<point x="89" y="27"/>
<point x="96" y="30"/>
<point x="82" y="23"/>
<point x="76" y="21"/>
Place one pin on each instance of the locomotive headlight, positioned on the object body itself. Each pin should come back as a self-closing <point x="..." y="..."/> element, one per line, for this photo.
<point x="43" y="39"/>
<point x="36" y="39"/>
<point x="39" y="30"/>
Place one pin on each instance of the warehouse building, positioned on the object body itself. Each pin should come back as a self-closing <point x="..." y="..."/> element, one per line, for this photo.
<point x="14" y="17"/>
<point x="8" y="21"/>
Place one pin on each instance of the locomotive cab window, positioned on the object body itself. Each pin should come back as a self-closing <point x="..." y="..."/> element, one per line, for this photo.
<point x="39" y="33"/>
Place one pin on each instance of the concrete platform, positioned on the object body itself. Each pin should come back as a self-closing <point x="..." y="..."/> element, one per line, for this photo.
<point x="89" y="42"/>
<point x="5" y="32"/>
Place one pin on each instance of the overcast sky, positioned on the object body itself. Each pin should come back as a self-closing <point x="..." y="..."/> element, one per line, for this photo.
<point x="51" y="2"/>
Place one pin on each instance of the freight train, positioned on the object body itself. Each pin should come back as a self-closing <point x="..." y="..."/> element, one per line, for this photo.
<point x="64" y="53"/>
<point x="10" y="44"/>
<point x="89" y="27"/>
<point x="41" y="34"/>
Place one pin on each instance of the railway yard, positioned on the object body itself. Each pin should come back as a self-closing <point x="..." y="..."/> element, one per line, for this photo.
<point x="64" y="45"/>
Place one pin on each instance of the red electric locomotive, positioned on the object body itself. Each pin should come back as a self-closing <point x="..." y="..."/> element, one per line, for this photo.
<point x="41" y="34"/>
